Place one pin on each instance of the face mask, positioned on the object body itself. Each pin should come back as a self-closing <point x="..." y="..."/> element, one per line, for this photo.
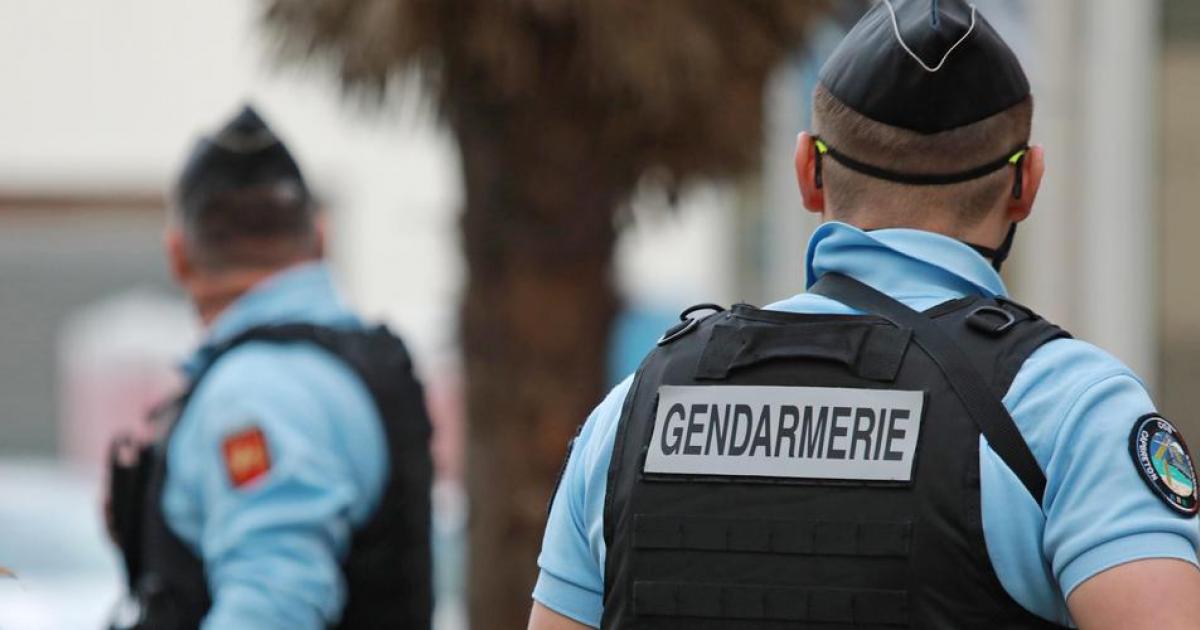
<point x="1000" y="254"/>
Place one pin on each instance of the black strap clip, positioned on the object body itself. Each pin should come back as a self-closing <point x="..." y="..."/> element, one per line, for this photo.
<point x="982" y="404"/>
<point x="991" y="320"/>
<point x="687" y="323"/>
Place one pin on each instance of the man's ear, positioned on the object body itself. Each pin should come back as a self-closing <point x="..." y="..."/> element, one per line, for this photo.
<point x="806" y="173"/>
<point x="178" y="260"/>
<point x="1033" y="167"/>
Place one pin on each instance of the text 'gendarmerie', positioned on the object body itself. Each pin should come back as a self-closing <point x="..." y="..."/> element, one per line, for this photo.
<point x="796" y="432"/>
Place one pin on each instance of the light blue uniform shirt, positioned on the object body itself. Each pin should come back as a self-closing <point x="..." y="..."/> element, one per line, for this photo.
<point x="272" y="548"/>
<point x="1074" y="404"/>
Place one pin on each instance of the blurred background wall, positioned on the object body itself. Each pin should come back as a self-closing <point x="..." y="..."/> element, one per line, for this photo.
<point x="1178" y="184"/>
<point x="101" y="101"/>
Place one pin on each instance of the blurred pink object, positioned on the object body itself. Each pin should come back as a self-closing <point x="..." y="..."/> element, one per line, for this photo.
<point x="118" y="358"/>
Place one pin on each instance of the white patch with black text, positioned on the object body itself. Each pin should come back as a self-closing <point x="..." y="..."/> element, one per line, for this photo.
<point x="796" y="432"/>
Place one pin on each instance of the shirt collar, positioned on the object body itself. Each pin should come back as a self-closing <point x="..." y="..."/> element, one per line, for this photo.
<point x="904" y="263"/>
<point x="301" y="293"/>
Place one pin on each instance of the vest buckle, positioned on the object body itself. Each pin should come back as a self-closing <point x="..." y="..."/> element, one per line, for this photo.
<point x="687" y="323"/>
<point x="984" y="319"/>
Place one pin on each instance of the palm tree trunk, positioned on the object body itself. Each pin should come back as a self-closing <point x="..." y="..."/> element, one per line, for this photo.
<point x="535" y="323"/>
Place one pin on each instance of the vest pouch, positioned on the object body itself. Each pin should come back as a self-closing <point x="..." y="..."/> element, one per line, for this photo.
<point x="871" y="352"/>
<point x="129" y="467"/>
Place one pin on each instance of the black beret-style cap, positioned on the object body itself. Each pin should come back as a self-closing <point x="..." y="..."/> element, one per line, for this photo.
<point x="925" y="65"/>
<point x="245" y="153"/>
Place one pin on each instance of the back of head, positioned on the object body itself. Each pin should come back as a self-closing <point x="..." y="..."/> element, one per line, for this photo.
<point x="241" y="201"/>
<point x="921" y="106"/>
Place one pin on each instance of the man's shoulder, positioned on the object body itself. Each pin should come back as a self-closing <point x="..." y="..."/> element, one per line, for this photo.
<point x="597" y="435"/>
<point x="1068" y="386"/>
<point x="1063" y="364"/>
<point x="266" y="370"/>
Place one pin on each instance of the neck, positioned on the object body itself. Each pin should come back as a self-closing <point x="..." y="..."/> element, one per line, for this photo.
<point x="215" y="292"/>
<point x="989" y="233"/>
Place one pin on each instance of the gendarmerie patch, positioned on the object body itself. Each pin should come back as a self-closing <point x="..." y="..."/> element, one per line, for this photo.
<point x="786" y="432"/>
<point x="1164" y="462"/>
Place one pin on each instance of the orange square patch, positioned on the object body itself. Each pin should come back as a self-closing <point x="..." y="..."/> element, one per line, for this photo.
<point x="246" y="456"/>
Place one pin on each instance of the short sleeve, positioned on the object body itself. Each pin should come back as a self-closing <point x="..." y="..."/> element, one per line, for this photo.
<point x="571" y="577"/>
<point x="1100" y="512"/>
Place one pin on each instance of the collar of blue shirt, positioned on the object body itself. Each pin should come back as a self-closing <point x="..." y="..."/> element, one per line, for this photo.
<point x="904" y="263"/>
<point x="301" y="293"/>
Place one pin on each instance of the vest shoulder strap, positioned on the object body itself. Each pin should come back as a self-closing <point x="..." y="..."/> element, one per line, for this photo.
<point x="979" y="326"/>
<point x="981" y="398"/>
<point x="350" y="345"/>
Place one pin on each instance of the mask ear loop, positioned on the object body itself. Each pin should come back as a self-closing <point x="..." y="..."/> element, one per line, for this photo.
<point x="1001" y="253"/>
<point x="1005" y="248"/>
<point x="820" y="150"/>
<point x="1018" y="162"/>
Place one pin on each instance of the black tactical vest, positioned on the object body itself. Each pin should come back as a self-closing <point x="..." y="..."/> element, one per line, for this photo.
<point x="388" y="568"/>
<point x="731" y="551"/>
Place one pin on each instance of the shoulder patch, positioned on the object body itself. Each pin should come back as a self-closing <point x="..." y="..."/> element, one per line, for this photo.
<point x="1164" y="462"/>
<point x="246" y="455"/>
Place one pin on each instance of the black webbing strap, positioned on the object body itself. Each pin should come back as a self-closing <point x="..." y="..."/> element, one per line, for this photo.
<point x="323" y="336"/>
<point x="921" y="179"/>
<point x="981" y="403"/>
<point x="723" y="604"/>
<point x="800" y="537"/>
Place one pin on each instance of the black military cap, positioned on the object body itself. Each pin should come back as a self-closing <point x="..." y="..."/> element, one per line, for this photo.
<point x="245" y="153"/>
<point x="926" y="66"/>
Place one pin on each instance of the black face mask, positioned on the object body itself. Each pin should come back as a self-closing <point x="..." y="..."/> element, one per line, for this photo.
<point x="1000" y="254"/>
